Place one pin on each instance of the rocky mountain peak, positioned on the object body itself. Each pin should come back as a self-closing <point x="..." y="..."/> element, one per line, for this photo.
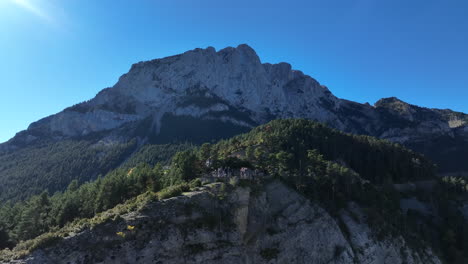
<point x="243" y="51"/>
<point x="230" y="85"/>
<point x="396" y="107"/>
<point x="389" y="101"/>
<point x="228" y="78"/>
<point x="233" y="87"/>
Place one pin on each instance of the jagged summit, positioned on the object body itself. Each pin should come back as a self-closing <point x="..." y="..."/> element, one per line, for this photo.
<point x="243" y="51"/>
<point x="204" y="94"/>
<point x="230" y="71"/>
<point x="389" y="100"/>
<point x="396" y="106"/>
<point x="208" y="84"/>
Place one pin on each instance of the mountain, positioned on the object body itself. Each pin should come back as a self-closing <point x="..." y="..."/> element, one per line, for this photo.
<point x="289" y="191"/>
<point x="200" y="96"/>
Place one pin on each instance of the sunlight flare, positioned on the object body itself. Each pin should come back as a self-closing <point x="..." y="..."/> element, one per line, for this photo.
<point x="33" y="7"/>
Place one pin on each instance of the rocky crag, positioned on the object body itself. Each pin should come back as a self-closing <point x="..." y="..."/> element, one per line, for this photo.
<point x="267" y="224"/>
<point x="234" y="89"/>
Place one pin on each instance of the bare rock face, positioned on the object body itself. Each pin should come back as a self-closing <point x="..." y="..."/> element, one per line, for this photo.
<point x="369" y="249"/>
<point x="274" y="225"/>
<point x="201" y="83"/>
<point x="231" y="87"/>
<point x="233" y="75"/>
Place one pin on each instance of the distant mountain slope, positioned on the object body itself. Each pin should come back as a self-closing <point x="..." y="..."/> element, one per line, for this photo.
<point x="204" y="95"/>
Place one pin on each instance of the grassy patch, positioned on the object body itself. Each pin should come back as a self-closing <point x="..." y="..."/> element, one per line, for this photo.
<point x="173" y="191"/>
<point x="26" y="247"/>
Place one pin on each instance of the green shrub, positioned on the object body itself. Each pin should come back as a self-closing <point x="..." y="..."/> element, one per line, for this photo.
<point x="173" y="191"/>
<point x="195" y="183"/>
<point x="234" y="181"/>
<point x="43" y="241"/>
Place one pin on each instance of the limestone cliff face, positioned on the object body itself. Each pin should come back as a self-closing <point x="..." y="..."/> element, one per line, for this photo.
<point x="273" y="224"/>
<point x="233" y="88"/>
<point x="205" y="84"/>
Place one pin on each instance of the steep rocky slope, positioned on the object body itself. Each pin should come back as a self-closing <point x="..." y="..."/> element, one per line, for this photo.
<point x="204" y="95"/>
<point x="232" y="85"/>
<point x="268" y="224"/>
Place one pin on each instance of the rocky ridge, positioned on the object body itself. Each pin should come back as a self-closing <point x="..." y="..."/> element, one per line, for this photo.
<point x="233" y="87"/>
<point x="273" y="224"/>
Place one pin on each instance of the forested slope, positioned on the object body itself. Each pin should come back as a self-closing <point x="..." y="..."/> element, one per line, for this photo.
<point x="323" y="164"/>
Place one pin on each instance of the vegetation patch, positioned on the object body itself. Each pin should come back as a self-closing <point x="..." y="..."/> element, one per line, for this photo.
<point x="173" y="191"/>
<point x="53" y="165"/>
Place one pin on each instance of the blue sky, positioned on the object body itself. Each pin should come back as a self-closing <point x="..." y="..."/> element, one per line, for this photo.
<point x="55" y="53"/>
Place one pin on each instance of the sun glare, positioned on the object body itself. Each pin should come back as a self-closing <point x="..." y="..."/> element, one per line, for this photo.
<point x="34" y="7"/>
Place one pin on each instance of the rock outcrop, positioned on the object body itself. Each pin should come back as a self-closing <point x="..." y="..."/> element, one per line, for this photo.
<point x="271" y="224"/>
